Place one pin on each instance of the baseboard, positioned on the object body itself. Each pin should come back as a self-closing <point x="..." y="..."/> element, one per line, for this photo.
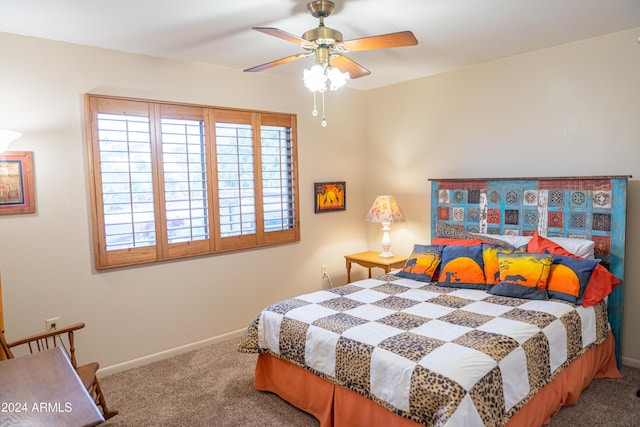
<point x="108" y="370"/>
<point x="627" y="361"/>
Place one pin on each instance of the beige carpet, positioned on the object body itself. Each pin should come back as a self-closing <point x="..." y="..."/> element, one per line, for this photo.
<point x="213" y="387"/>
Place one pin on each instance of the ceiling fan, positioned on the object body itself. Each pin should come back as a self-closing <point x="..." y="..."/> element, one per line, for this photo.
<point x="327" y="45"/>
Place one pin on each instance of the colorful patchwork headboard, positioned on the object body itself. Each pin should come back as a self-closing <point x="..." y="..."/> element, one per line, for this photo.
<point x="583" y="207"/>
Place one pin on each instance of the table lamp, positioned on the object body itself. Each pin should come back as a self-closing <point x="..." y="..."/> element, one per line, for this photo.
<point x="385" y="210"/>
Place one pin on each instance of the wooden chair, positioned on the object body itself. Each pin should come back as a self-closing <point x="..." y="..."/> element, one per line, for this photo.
<point x="43" y="341"/>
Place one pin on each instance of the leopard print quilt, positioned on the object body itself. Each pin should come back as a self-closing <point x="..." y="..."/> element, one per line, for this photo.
<point x="435" y="355"/>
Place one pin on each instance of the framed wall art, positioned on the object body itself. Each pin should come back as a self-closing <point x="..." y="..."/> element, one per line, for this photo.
<point x="330" y="196"/>
<point x="16" y="183"/>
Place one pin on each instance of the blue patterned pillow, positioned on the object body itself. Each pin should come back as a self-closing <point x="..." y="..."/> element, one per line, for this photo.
<point x="490" y="259"/>
<point x="569" y="277"/>
<point x="462" y="267"/>
<point x="523" y="275"/>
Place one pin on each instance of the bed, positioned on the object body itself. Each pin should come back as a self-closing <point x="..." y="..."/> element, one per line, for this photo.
<point x="497" y="321"/>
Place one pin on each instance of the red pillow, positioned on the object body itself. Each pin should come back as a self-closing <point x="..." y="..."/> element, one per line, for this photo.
<point x="601" y="283"/>
<point x="446" y="241"/>
<point x="539" y="245"/>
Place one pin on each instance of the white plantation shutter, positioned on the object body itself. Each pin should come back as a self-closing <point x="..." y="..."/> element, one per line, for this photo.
<point x="185" y="180"/>
<point x="127" y="181"/>
<point x="277" y="178"/>
<point x="236" y="179"/>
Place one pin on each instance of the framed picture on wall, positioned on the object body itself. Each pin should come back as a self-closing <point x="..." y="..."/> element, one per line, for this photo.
<point x="330" y="196"/>
<point x="16" y="183"/>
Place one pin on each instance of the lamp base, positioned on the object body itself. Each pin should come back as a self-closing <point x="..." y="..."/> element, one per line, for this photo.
<point x="386" y="241"/>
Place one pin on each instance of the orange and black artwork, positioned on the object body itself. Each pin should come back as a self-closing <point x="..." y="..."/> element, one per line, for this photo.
<point x="330" y="196"/>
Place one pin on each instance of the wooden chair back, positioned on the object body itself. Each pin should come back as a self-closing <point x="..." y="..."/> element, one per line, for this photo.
<point x="5" y="351"/>
<point x="53" y="338"/>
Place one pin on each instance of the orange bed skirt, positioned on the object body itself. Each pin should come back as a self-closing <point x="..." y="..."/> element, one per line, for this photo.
<point x="336" y="406"/>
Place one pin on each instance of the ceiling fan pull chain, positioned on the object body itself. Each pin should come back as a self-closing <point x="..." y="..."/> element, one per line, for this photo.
<point x="324" y="121"/>
<point x="314" y="113"/>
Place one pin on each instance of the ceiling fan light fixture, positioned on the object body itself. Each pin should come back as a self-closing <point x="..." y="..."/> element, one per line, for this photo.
<point x="336" y="78"/>
<point x="319" y="78"/>
<point x="315" y="78"/>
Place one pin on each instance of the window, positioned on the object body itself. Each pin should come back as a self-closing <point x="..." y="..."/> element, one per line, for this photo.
<point x="176" y="180"/>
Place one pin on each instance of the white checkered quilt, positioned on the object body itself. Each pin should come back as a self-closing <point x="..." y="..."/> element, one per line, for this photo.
<point x="438" y="356"/>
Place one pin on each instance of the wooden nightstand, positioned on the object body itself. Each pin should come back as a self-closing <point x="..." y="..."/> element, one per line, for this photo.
<point x="372" y="259"/>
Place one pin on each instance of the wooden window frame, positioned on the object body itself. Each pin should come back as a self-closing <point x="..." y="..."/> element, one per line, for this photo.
<point x="210" y="115"/>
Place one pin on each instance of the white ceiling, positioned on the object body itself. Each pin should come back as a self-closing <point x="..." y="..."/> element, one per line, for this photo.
<point x="451" y="33"/>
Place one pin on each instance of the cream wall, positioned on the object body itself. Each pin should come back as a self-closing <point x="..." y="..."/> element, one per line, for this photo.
<point x="131" y="313"/>
<point x="568" y="110"/>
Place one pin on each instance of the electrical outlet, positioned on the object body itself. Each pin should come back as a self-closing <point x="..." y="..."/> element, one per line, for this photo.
<point x="323" y="270"/>
<point x="51" y="324"/>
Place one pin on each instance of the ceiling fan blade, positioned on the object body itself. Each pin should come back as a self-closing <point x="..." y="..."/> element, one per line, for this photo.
<point x="403" y="38"/>
<point x="345" y="64"/>
<point x="275" y="32"/>
<point x="278" y="62"/>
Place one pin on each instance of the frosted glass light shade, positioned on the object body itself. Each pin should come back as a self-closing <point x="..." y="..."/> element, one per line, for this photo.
<point x="6" y="138"/>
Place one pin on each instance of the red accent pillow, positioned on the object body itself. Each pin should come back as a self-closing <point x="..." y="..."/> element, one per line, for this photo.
<point x="446" y="241"/>
<point x="601" y="283"/>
